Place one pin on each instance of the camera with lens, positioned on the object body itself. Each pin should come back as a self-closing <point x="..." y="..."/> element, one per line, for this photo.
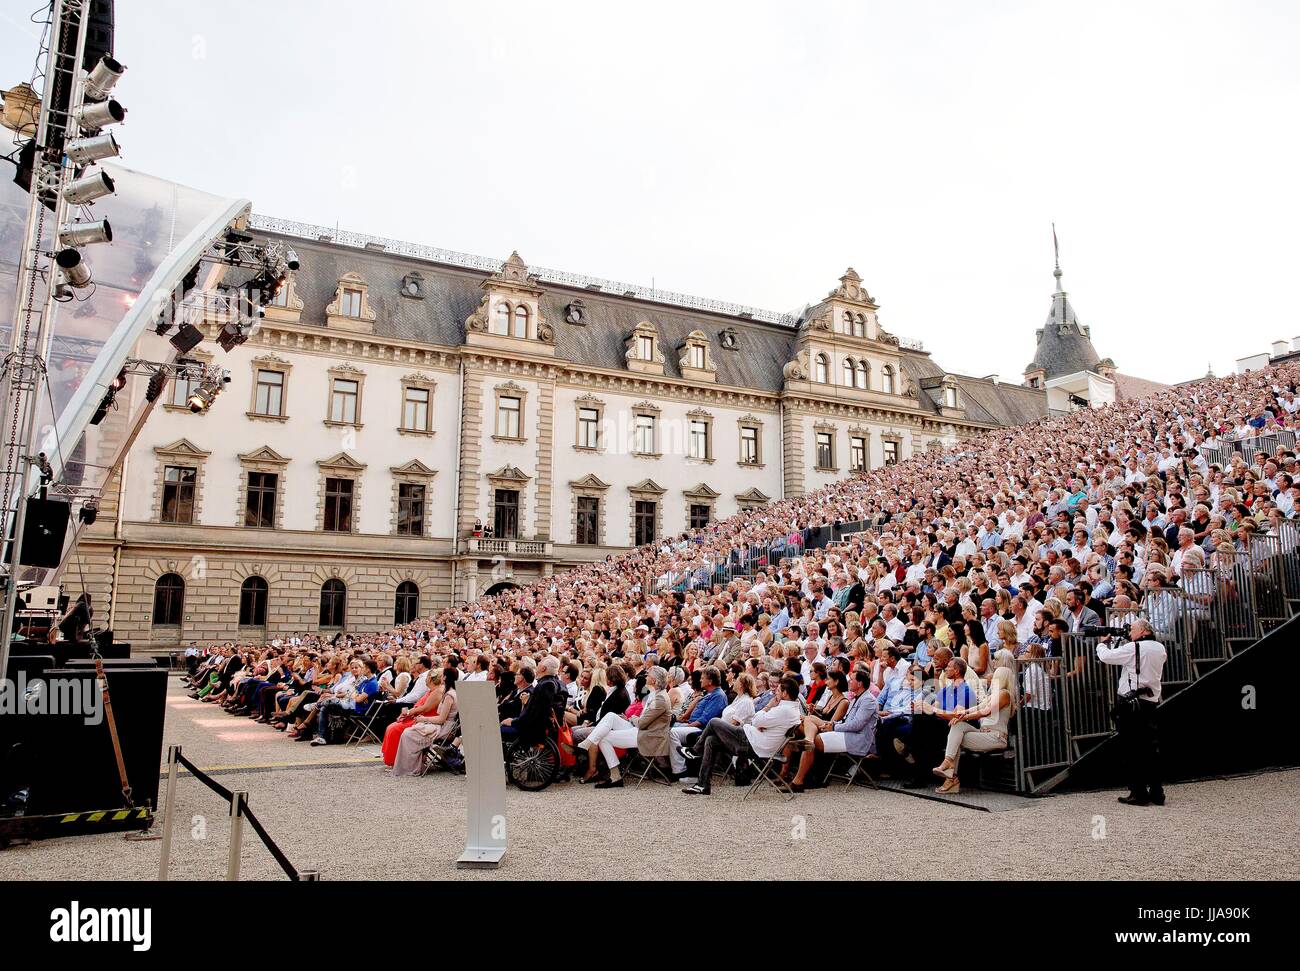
<point x="1097" y="630"/>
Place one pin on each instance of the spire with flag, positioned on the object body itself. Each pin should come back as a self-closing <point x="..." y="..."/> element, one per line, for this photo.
<point x="1056" y="245"/>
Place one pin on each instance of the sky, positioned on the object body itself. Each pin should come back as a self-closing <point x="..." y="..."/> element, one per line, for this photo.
<point x="750" y="152"/>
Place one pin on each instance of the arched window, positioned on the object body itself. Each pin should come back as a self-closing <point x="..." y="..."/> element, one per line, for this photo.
<point x="252" y="602"/>
<point x="521" y="322"/>
<point x="848" y="372"/>
<point x="406" y="604"/>
<point x="859" y="326"/>
<point x="822" y="370"/>
<point x="168" y="600"/>
<point x="887" y="379"/>
<point x="848" y="322"/>
<point x="501" y="320"/>
<point x="863" y="376"/>
<point x="333" y="603"/>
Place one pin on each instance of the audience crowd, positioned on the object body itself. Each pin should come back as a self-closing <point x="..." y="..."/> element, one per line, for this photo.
<point x="904" y="639"/>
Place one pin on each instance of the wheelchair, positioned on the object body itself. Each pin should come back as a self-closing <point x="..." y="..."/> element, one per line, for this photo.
<point x="532" y="766"/>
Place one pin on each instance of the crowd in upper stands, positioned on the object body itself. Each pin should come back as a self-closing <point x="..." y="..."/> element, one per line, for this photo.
<point x="904" y="638"/>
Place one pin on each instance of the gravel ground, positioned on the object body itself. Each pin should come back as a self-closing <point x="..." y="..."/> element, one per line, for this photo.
<point x="355" y="820"/>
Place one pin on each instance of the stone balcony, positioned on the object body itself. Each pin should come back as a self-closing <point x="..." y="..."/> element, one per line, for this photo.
<point x="514" y="548"/>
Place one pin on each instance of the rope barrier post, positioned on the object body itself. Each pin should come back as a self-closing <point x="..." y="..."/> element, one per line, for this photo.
<point x="169" y="807"/>
<point x="237" y="800"/>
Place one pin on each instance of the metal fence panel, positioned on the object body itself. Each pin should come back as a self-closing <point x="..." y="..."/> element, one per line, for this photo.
<point x="1041" y="737"/>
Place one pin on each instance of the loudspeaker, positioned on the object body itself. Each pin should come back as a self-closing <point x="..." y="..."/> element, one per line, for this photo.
<point x="43" y="534"/>
<point x="69" y="764"/>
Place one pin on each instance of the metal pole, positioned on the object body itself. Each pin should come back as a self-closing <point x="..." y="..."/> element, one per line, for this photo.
<point x="237" y="800"/>
<point x="169" y="807"/>
<point x="26" y="366"/>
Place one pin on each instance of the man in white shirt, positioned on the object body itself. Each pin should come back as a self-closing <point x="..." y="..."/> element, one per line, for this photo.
<point x="895" y="629"/>
<point x="1141" y="662"/>
<point x="761" y="738"/>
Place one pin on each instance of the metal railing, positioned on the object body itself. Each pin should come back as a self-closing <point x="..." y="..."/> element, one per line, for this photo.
<point x="1268" y="443"/>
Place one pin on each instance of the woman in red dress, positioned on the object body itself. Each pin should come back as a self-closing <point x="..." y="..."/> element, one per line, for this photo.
<point x="428" y="705"/>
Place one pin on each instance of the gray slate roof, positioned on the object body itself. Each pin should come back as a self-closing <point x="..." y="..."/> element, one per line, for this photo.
<point x="452" y="293"/>
<point x="1064" y="346"/>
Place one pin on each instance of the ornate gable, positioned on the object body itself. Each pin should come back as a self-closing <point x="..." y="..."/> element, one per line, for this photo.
<point x="347" y="312"/>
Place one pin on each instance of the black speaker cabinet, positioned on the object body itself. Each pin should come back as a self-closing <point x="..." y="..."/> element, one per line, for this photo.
<point x="43" y="533"/>
<point x="68" y="759"/>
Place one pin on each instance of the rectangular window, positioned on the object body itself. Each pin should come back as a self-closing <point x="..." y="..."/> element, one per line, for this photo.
<point x="645" y="348"/>
<point x="699" y="517"/>
<point x="182" y="388"/>
<point x="749" y="445"/>
<point x="270" y="393"/>
<point x="351" y="303"/>
<point x="505" y="514"/>
<point x="643" y="525"/>
<point x="644" y="441"/>
<point x="696" y="358"/>
<point x="588" y="531"/>
<point x="178" y="494"/>
<point x="891" y="452"/>
<point x="825" y="450"/>
<point x="415" y="410"/>
<point x="588" y="428"/>
<point x="508" y="415"/>
<point x="699" y="439"/>
<point x="338" y="505"/>
<point x="857" y="453"/>
<point x="410" y="509"/>
<point x="343" y="401"/>
<point x="281" y="298"/>
<point x="259" y="508"/>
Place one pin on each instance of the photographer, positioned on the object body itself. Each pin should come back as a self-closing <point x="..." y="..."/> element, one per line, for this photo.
<point x="1141" y="662"/>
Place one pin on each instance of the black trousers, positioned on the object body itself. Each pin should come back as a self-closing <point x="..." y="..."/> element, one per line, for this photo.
<point x="719" y="737"/>
<point x="1140" y="745"/>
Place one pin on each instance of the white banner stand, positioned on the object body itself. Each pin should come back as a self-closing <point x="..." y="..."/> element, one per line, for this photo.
<point x="485" y="776"/>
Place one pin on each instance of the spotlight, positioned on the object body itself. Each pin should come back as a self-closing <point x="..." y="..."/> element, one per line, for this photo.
<point x="86" y="234"/>
<point x="157" y="383"/>
<point x="74" y="268"/>
<point x="102" y="411"/>
<point x="201" y="399"/>
<point x="102" y="77"/>
<point x="119" y="382"/>
<point x="231" y="336"/>
<point x="83" y="151"/>
<point x="93" y="117"/>
<point x="89" y="512"/>
<point x="291" y="258"/>
<point x="88" y="188"/>
<point x="187" y="338"/>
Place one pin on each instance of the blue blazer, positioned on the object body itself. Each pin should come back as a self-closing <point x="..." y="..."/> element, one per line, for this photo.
<point x="859" y="725"/>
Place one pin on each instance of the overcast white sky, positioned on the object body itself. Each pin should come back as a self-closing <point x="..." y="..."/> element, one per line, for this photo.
<point x="751" y="151"/>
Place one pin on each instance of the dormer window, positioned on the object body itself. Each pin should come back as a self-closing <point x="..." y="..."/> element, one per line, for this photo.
<point x="501" y="320"/>
<point x="696" y="356"/>
<point x="413" y="286"/>
<point x="350" y="303"/>
<point x="645" y="348"/>
<point x="822" y="369"/>
<point x="950" y="396"/>
<point x="521" y="321"/>
<point x="351" y="309"/>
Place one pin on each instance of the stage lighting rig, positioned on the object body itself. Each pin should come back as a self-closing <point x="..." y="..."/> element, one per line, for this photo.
<point x="102" y="77"/>
<point x="88" y="188"/>
<point x="84" y="151"/>
<point x="86" y="234"/>
<point x="75" y="271"/>
<point x="93" y="118"/>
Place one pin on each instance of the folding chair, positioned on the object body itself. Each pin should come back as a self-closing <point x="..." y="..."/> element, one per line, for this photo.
<point x="770" y="771"/>
<point x="363" y="725"/>
<point x="650" y="767"/>
<point x="855" y="769"/>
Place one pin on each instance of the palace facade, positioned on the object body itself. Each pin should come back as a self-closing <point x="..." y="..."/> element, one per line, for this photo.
<point x="398" y="403"/>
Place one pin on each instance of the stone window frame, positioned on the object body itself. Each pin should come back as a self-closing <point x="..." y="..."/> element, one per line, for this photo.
<point x="897" y="439"/>
<point x="186" y="454"/>
<point x="825" y="428"/>
<point x="269" y="362"/>
<point x="266" y="606"/>
<point x="413" y="472"/>
<point x="424" y="383"/>
<point x="290" y="312"/>
<point x="264" y="459"/>
<point x="647" y="490"/>
<point x="652" y="410"/>
<point x="751" y="499"/>
<point x="700" y="414"/>
<point x="702" y="495"/>
<point x="508" y="477"/>
<point x="631" y="353"/>
<point x="849" y="365"/>
<point x="340" y="466"/>
<point x="950" y="384"/>
<point x="858" y="431"/>
<point x="697" y="339"/>
<point x="589" y="486"/>
<point x="202" y="357"/>
<point x="756" y="423"/>
<point x="588" y="402"/>
<point x="344" y="372"/>
<point x="821" y="360"/>
<point x="510" y="390"/>
<point x="364" y="321"/>
<point x="890" y="372"/>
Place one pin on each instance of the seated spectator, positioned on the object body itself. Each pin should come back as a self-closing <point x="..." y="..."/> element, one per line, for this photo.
<point x="763" y="737"/>
<point x="993" y="716"/>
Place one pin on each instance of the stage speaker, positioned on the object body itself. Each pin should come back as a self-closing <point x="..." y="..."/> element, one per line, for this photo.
<point x="43" y="534"/>
<point x="69" y="757"/>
